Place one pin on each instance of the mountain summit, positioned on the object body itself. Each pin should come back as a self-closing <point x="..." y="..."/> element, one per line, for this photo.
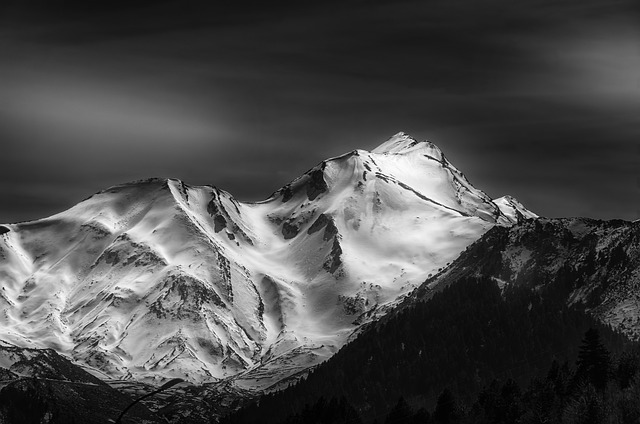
<point x="157" y="279"/>
<point x="404" y="143"/>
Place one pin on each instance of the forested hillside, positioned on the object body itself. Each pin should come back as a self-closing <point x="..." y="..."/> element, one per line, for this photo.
<point x="461" y="340"/>
<point x="598" y="389"/>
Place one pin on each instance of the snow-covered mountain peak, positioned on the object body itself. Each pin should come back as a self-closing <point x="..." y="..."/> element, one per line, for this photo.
<point x="158" y="279"/>
<point x="513" y="209"/>
<point x="418" y="167"/>
<point x="403" y="143"/>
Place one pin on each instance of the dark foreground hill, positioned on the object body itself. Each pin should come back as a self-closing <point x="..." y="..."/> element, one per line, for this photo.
<point x="40" y="386"/>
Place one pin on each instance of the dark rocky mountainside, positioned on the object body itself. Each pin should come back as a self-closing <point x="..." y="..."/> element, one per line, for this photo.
<point x="40" y="386"/>
<point x="595" y="264"/>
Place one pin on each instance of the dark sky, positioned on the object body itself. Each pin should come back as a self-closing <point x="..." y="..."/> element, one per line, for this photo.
<point x="537" y="99"/>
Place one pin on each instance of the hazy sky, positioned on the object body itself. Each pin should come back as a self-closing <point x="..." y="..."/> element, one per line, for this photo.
<point x="537" y="99"/>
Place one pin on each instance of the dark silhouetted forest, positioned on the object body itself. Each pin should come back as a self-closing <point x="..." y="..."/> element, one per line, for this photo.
<point x="473" y="353"/>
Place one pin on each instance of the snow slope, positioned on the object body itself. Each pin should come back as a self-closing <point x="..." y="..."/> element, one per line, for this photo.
<point x="157" y="279"/>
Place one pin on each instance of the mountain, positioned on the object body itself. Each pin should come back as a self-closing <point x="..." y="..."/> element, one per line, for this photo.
<point x="157" y="279"/>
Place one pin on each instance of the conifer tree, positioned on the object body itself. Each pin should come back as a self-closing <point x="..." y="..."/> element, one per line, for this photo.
<point x="401" y="413"/>
<point x="446" y="411"/>
<point x="593" y="360"/>
<point x="627" y="369"/>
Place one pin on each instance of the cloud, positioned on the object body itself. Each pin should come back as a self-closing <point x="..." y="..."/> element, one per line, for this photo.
<point x="94" y="110"/>
<point x="594" y="63"/>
